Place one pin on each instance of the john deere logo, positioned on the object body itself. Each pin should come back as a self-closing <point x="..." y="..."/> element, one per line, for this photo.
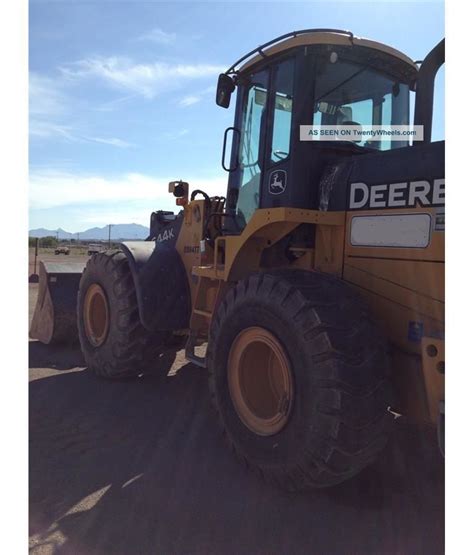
<point x="277" y="182"/>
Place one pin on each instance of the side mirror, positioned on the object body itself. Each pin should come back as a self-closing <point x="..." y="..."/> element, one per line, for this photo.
<point x="225" y="88"/>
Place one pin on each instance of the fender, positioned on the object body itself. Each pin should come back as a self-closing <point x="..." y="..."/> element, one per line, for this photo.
<point x="159" y="275"/>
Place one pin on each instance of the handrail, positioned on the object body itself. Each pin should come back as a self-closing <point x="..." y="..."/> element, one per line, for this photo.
<point x="260" y="49"/>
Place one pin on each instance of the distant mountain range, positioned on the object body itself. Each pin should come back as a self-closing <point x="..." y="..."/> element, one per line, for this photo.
<point x="118" y="231"/>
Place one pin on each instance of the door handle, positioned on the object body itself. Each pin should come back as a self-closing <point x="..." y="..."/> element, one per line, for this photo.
<point x="224" y="149"/>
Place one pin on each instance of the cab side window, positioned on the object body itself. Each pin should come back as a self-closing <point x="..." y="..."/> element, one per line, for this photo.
<point x="253" y="119"/>
<point x="282" y="111"/>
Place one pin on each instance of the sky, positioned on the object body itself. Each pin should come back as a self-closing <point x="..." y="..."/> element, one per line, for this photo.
<point x="122" y="93"/>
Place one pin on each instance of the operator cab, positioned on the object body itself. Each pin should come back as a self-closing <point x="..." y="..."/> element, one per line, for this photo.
<point x="313" y="77"/>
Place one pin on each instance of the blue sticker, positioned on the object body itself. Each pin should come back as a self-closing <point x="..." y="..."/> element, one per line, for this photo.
<point x="415" y="331"/>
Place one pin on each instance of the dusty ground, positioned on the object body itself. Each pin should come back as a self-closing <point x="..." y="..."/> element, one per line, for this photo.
<point x="47" y="255"/>
<point x="138" y="468"/>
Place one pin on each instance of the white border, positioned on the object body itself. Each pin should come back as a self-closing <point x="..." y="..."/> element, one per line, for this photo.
<point x="14" y="274"/>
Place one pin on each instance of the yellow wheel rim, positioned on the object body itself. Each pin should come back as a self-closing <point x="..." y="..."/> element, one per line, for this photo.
<point x="96" y="315"/>
<point x="260" y="381"/>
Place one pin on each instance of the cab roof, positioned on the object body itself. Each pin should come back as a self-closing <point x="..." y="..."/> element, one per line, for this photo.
<point x="306" y="37"/>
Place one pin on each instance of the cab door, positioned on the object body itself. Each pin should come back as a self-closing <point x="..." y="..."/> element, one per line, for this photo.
<point x="246" y="178"/>
<point x="275" y="182"/>
<point x="264" y="119"/>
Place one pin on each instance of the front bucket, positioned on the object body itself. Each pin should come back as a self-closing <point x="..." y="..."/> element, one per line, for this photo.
<point x="54" y="319"/>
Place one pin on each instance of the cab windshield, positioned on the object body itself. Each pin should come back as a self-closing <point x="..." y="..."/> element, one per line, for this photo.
<point x="350" y="93"/>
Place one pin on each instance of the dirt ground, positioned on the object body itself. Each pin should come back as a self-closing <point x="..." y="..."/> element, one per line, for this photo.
<point x="138" y="467"/>
<point x="47" y="255"/>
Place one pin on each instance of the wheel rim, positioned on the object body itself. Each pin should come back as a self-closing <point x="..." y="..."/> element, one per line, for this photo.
<point x="96" y="315"/>
<point x="260" y="381"/>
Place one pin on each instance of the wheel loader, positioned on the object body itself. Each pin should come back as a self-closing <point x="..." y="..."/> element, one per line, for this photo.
<point x="315" y="286"/>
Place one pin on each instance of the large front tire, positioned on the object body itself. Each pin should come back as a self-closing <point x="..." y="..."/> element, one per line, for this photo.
<point x="298" y="375"/>
<point x="113" y="341"/>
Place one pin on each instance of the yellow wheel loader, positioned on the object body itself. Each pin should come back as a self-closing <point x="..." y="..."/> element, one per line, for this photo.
<point x="317" y="283"/>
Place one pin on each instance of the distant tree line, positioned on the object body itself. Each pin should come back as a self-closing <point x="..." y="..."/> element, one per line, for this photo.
<point x="44" y="242"/>
<point x="51" y="242"/>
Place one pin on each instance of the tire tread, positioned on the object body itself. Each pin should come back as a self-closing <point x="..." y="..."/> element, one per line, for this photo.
<point x="349" y="379"/>
<point x="131" y="348"/>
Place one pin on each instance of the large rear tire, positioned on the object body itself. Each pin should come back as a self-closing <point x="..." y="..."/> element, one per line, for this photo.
<point x="113" y="341"/>
<point x="299" y="377"/>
